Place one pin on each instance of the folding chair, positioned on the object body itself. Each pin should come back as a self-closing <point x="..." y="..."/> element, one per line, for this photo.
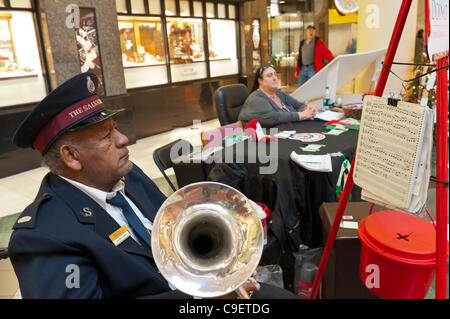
<point x="163" y="160"/>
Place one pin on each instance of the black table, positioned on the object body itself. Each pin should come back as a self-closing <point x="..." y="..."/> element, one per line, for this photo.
<point x="292" y="193"/>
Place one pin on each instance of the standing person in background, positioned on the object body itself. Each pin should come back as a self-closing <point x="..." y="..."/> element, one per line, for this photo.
<point x="310" y="54"/>
<point x="419" y="48"/>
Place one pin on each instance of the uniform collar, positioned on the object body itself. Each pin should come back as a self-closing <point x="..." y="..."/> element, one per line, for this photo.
<point x="96" y="194"/>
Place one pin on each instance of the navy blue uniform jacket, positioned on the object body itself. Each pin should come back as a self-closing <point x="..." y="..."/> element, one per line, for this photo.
<point x="68" y="231"/>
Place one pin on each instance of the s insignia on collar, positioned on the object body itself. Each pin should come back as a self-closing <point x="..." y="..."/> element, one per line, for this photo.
<point x="86" y="212"/>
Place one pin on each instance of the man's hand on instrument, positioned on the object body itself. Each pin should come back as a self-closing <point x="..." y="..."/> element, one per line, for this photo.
<point x="250" y="286"/>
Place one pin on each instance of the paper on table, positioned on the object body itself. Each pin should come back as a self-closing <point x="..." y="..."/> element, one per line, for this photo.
<point x="284" y="134"/>
<point x="328" y="116"/>
<point x="319" y="163"/>
<point x="335" y="132"/>
<point x="312" y="148"/>
<point x="350" y="225"/>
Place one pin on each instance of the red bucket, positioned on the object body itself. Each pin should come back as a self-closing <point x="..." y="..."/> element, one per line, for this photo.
<point x="398" y="255"/>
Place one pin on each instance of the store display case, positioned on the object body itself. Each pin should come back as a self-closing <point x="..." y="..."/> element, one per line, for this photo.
<point x="222" y="47"/>
<point x="141" y="42"/>
<point x="185" y="38"/>
<point x="143" y="55"/>
<point x="179" y="30"/>
<point x="21" y="79"/>
<point x="9" y="66"/>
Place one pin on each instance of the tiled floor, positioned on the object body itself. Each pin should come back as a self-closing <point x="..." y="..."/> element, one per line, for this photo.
<point x="18" y="191"/>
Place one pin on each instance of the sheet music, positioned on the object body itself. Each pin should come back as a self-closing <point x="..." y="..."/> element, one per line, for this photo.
<point x="389" y="153"/>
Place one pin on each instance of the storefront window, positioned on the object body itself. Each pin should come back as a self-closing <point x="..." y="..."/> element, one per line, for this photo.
<point x="141" y="42"/>
<point x="231" y="11"/>
<point x="185" y="40"/>
<point x="143" y="54"/>
<point x="121" y="6"/>
<point x="221" y="10"/>
<point x="154" y="6"/>
<point x="222" y="47"/>
<point x="21" y="79"/>
<point x="138" y="6"/>
<point x="20" y="3"/>
<point x="170" y="8"/>
<point x="145" y="48"/>
<point x="8" y="61"/>
<point x="198" y="9"/>
<point x="185" y="37"/>
<point x="184" y="8"/>
<point x="210" y="10"/>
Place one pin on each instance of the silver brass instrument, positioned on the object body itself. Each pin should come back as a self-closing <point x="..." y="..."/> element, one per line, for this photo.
<point x="207" y="239"/>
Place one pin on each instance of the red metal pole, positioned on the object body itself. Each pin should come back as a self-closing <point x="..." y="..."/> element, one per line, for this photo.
<point x="441" y="175"/>
<point x="390" y="54"/>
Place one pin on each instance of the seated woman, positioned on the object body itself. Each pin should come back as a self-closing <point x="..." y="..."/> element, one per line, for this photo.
<point x="270" y="106"/>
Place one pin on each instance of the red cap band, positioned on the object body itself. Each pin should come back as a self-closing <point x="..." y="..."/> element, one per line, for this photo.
<point x="67" y="117"/>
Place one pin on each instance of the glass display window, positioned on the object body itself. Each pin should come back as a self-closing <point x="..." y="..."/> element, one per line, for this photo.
<point x="137" y="6"/>
<point x="121" y="6"/>
<point x="8" y="59"/>
<point x="222" y="44"/>
<point x="21" y="77"/>
<point x="184" y="8"/>
<point x="141" y="42"/>
<point x="180" y="52"/>
<point x="171" y="8"/>
<point x="143" y="54"/>
<point x="20" y="4"/>
<point x="222" y="10"/>
<point x="154" y="6"/>
<point x="231" y="11"/>
<point x="210" y="10"/>
<point x="185" y="38"/>
<point x="186" y="50"/>
<point x="198" y="9"/>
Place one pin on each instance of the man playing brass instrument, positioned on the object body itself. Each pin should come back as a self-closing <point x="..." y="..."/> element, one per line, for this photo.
<point x="87" y="233"/>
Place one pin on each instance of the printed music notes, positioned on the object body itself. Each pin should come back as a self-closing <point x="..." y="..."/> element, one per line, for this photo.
<point x="393" y="156"/>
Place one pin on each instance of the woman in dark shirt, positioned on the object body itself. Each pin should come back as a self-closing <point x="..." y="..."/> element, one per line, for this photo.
<point x="271" y="106"/>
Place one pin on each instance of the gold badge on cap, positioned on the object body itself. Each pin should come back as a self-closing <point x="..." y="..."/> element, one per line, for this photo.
<point x="90" y="85"/>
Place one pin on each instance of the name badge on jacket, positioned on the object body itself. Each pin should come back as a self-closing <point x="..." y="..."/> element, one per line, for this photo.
<point x="120" y="235"/>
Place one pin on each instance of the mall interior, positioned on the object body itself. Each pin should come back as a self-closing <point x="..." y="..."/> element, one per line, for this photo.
<point x="173" y="64"/>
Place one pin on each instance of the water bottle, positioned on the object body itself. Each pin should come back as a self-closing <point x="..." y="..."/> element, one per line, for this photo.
<point x="326" y="99"/>
<point x="306" y="280"/>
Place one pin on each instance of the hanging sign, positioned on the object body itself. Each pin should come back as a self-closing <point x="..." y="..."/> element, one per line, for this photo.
<point x="436" y="28"/>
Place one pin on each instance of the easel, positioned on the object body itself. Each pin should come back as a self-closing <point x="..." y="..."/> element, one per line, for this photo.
<point x="441" y="169"/>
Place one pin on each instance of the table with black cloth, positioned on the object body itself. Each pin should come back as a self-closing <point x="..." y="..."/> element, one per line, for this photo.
<point x="292" y="193"/>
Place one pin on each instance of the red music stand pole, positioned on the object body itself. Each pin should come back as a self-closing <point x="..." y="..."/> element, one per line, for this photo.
<point x="441" y="175"/>
<point x="381" y="84"/>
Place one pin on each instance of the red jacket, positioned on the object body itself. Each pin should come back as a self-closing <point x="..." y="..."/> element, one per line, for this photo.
<point x="320" y="51"/>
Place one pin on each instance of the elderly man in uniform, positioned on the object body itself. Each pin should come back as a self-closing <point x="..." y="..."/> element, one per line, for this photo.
<point x="64" y="244"/>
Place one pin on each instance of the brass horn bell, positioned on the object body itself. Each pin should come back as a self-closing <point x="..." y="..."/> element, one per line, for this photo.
<point x="207" y="239"/>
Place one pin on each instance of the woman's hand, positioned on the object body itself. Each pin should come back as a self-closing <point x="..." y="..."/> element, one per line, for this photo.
<point x="308" y="113"/>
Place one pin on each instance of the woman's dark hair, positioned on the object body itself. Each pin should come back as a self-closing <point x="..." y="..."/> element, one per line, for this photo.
<point x="420" y="33"/>
<point x="258" y="75"/>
